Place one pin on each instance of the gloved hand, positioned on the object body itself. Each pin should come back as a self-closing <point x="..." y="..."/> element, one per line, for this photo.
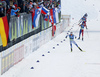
<point x="75" y="37"/>
<point x="86" y="28"/>
<point x="19" y="8"/>
<point x="66" y="37"/>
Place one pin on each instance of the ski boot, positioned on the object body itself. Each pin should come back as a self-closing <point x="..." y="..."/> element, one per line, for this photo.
<point x="71" y="49"/>
<point x="82" y="39"/>
<point x="78" y="38"/>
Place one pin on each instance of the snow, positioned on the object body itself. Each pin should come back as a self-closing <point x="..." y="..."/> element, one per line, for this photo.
<point x="78" y="8"/>
<point x="60" y="62"/>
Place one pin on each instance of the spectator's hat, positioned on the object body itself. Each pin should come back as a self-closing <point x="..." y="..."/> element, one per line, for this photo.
<point x="34" y="3"/>
<point x="0" y="4"/>
<point x="13" y="6"/>
<point x="31" y="2"/>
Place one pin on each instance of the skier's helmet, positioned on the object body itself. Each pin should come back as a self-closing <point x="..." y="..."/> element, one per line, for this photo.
<point x="85" y="15"/>
<point x="71" y="32"/>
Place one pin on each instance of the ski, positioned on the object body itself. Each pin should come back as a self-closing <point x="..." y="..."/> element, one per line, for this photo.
<point x="83" y="51"/>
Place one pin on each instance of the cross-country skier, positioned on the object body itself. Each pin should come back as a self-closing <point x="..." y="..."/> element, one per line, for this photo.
<point x="82" y="29"/>
<point x="83" y="19"/>
<point x="82" y="24"/>
<point x="71" y="37"/>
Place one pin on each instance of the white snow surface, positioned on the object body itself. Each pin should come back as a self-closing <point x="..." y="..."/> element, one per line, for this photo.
<point x="77" y="8"/>
<point x="60" y="62"/>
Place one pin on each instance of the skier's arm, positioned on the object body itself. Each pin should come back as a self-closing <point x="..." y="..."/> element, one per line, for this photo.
<point x="80" y="21"/>
<point x="79" y="24"/>
<point x="85" y="22"/>
<point x="75" y="36"/>
<point x="86" y="27"/>
<point x="66" y="36"/>
<point x="15" y="10"/>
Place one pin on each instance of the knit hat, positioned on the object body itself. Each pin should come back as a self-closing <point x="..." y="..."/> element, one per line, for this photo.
<point x="13" y="6"/>
<point x="0" y="4"/>
<point x="34" y="3"/>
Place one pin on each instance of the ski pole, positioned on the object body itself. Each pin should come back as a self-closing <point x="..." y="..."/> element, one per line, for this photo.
<point x="74" y="24"/>
<point x="77" y="30"/>
<point x="87" y="33"/>
<point x="71" y="27"/>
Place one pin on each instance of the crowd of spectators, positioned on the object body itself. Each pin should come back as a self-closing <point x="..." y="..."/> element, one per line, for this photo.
<point x="24" y="6"/>
<point x="15" y="9"/>
<point x="2" y="8"/>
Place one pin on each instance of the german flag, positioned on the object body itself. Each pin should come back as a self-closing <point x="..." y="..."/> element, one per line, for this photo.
<point x="4" y="30"/>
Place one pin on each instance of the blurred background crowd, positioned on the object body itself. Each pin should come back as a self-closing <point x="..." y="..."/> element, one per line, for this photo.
<point x="15" y="7"/>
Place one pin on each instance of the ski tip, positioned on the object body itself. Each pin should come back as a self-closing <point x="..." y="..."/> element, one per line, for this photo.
<point x="83" y="51"/>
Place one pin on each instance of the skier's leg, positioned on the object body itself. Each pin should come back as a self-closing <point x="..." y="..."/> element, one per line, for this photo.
<point x="71" y="45"/>
<point x="80" y="33"/>
<point x="80" y="49"/>
<point x="77" y="45"/>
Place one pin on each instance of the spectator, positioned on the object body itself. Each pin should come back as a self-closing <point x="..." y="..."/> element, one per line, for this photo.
<point x="30" y="5"/>
<point x="35" y="5"/>
<point x="7" y="4"/>
<point x="26" y="7"/>
<point x="13" y="11"/>
<point x="51" y="5"/>
<point x="8" y="13"/>
<point x="41" y="3"/>
<point x="1" y="10"/>
<point x="20" y="4"/>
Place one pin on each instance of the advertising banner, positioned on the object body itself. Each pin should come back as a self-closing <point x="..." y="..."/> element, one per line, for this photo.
<point x="29" y="23"/>
<point x="6" y="60"/>
<point x="28" y="48"/>
<point x="34" y="43"/>
<point x="14" y="33"/>
<point x="18" y="54"/>
<point x="19" y="26"/>
<point x="10" y="31"/>
<point x="22" y="26"/>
